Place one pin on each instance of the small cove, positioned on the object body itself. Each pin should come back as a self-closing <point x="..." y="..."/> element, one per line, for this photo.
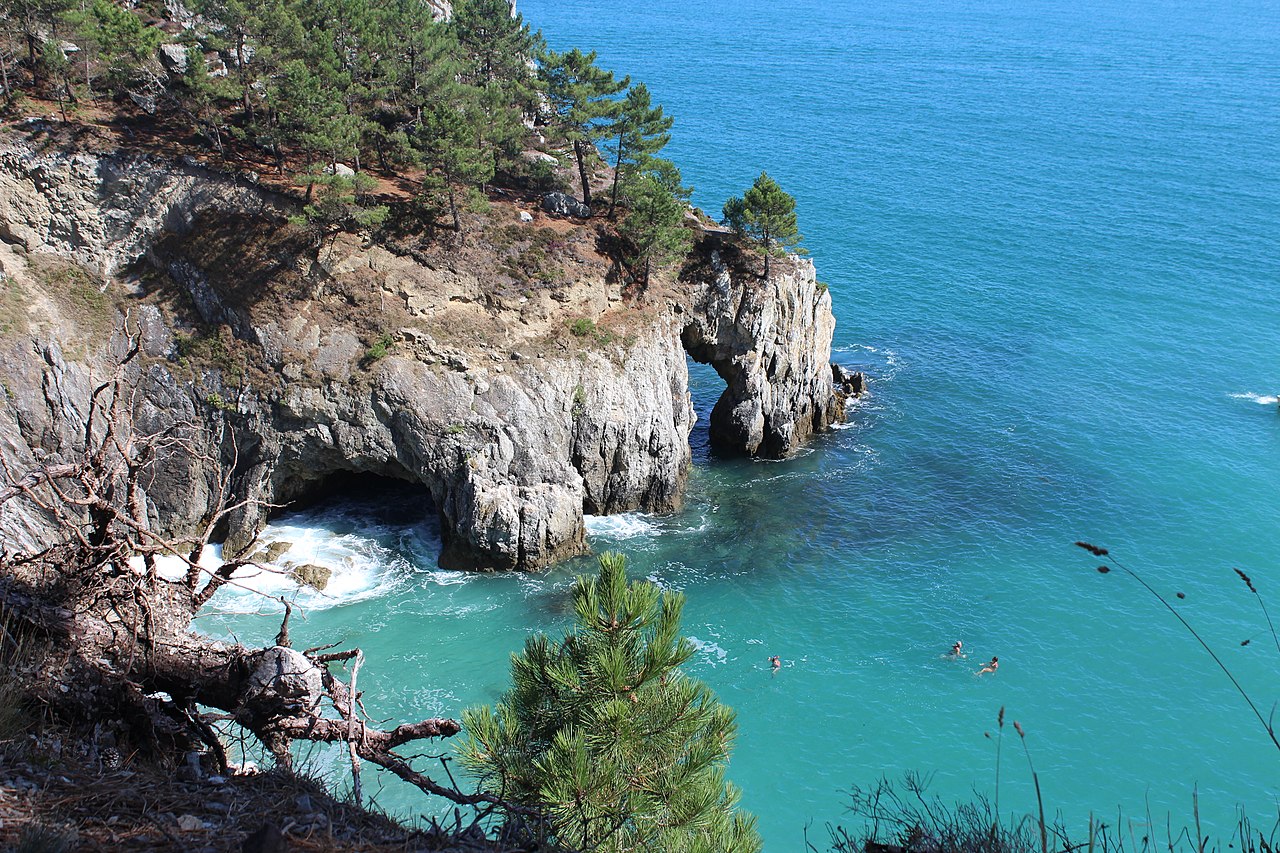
<point x="1050" y="236"/>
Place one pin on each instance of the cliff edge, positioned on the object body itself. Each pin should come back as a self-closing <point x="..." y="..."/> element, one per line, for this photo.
<point x="513" y="376"/>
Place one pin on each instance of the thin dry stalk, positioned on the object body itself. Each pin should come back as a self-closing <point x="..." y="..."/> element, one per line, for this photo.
<point x="1044" y="834"/>
<point x="1102" y="552"/>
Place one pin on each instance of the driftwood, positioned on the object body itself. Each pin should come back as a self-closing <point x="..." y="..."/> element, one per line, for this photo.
<point x="124" y="649"/>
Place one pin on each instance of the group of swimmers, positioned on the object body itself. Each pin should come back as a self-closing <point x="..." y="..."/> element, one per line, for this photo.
<point x="957" y="652"/>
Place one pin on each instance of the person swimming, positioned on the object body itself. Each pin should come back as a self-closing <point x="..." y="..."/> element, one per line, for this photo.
<point x="991" y="666"/>
<point x="775" y="663"/>
<point x="956" y="653"/>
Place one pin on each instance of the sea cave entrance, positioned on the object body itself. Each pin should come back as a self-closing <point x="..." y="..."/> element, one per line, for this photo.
<point x="705" y="388"/>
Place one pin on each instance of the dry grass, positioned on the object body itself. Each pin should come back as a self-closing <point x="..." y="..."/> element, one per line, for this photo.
<point x="53" y="787"/>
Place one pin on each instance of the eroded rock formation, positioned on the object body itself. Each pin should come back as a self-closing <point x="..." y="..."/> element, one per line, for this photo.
<point x="519" y="399"/>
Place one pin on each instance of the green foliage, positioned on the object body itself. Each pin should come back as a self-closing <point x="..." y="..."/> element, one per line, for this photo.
<point x="381" y="349"/>
<point x="579" y="407"/>
<point x="215" y="402"/>
<point x="638" y="133"/>
<point x="452" y="141"/>
<point x="582" y="327"/>
<point x="339" y="202"/>
<point x="766" y="213"/>
<point x="604" y="732"/>
<point x="655" y="222"/>
<point x="113" y="39"/>
<point x="579" y="94"/>
<point x="202" y="97"/>
<point x="496" y="49"/>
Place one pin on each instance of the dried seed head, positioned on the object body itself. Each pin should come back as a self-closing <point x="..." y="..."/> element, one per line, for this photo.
<point x="1102" y="570"/>
<point x="1000" y="717"/>
<point x="1092" y="549"/>
<point x="1181" y="594"/>
<point x="1246" y="580"/>
<point x="1245" y="642"/>
<point x="1017" y="725"/>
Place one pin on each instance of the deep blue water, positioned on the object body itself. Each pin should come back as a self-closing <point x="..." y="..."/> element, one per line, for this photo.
<point x="1052" y="236"/>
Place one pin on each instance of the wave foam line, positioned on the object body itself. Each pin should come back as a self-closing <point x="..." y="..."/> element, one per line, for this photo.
<point x="1262" y="399"/>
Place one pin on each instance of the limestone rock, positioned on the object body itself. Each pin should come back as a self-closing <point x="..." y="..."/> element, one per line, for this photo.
<point x="561" y="204"/>
<point x="309" y="574"/>
<point x="284" y="679"/>
<point x="272" y="553"/>
<point x="511" y="459"/>
<point x="174" y="59"/>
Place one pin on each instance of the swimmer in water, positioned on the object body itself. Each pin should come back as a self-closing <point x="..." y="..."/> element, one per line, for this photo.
<point x="956" y="653"/>
<point x="775" y="663"/>
<point x="989" y="667"/>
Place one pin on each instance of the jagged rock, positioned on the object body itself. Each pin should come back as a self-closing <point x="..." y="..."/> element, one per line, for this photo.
<point x="272" y="553"/>
<point x="561" y="204"/>
<point x="847" y="382"/>
<point x="309" y="574"/>
<point x="510" y="459"/>
<point x="526" y="216"/>
<point x="341" y="169"/>
<point x="174" y="59"/>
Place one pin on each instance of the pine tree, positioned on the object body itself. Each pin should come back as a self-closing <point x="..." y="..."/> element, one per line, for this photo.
<point x="604" y="733"/>
<point x="496" y="49"/>
<point x="199" y="96"/>
<point x="113" y="38"/>
<point x="448" y="141"/>
<point x="580" y="95"/>
<point x="768" y="214"/>
<point x="639" y="133"/>
<point x="655" y="221"/>
<point x="341" y="202"/>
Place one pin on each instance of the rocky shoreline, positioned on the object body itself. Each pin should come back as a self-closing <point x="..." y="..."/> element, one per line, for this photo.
<point x="519" y="400"/>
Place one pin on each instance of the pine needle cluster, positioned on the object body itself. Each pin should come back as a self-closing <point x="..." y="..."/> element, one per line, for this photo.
<point x="605" y="734"/>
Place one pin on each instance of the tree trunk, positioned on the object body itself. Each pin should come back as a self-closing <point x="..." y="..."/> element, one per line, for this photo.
<point x="617" y="170"/>
<point x="580" y="153"/>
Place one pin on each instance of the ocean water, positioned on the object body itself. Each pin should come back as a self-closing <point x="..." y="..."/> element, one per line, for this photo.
<point x="1052" y="235"/>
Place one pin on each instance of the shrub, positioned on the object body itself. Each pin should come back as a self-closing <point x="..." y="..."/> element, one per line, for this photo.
<point x="380" y="349"/>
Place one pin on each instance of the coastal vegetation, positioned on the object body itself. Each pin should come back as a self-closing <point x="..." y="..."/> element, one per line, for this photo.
<point x="766" y="213"/>
<point x="603" y="732"/>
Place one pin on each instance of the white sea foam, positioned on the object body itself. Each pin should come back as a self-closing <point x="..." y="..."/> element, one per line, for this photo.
<point x="361" y="566"/>
<point x="627" y="525"/>
<point x="1262" y="399"/>
<point x="173" y="568"/>
<point x="710" y="650"/>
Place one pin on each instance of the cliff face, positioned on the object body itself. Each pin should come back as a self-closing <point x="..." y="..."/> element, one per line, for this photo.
<point x="508" y="376"/>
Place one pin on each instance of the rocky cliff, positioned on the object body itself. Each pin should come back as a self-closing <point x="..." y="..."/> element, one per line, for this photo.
<point x="511" y="376"/>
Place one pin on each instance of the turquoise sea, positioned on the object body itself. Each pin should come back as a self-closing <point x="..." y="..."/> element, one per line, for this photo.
<point x="1052" y="234"/>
